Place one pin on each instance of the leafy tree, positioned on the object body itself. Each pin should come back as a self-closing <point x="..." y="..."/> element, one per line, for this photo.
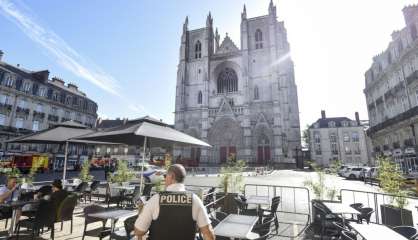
<point x="122" y="173"/>
<point x="335" y="166"/>
<point x="306" y="136"/>
<point x="392" y="181"/>
<point x="85" y="172"/>
<point x="232" y="179"/>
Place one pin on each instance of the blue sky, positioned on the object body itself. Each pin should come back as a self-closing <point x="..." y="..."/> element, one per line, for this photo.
<point x="132" y="47"/>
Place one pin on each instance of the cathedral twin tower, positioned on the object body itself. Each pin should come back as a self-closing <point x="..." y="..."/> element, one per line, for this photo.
<point x="243" y="101"/>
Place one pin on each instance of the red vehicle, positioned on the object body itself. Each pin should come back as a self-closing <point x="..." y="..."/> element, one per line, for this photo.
<point x="25" y="162"/>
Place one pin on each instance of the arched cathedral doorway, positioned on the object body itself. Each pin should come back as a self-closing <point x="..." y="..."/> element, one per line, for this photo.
<point x="263" y="150"/>
<point x="226" y="138"/>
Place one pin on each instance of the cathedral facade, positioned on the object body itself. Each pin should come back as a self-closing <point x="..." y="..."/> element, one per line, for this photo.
<point x="241" y="100"/>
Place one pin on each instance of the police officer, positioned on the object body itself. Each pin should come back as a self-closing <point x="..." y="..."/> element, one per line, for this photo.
<point x="173" y="215"/>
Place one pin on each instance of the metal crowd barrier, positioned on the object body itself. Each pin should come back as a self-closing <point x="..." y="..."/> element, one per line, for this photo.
<point x="294" y="210"/>
<point x="374" y="200"/>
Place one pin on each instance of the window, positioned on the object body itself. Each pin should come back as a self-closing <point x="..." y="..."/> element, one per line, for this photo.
<point x="54" y="111"/>
<point x="258" y="39"/>
<point x="4" y="99"/>
<point x="344" y="123"/>
<point x="413" y="30"/>
<point x="318" y="149"/>
<point x="334" y="149"/>
<point x="346" y="137"/>
<point x="39" y="108"/>
<point x="42" y="92"/>
<point x="26" y="87"/>
<point x="67" y="114"/>
<point x="199" y="98"/>
<point x="22" y="103"/>
<point x="256" y="95"/>
<point x="347" y="150"/>
<point x="317" y="137"/>
<point x="198" y="50"/>
<point x="55" y="96"/>
<point x="19" y="122"/>
<point x="355" y="137"/>
<point x="97" y="150"/>
<point x="108" y="150"/>
<point x="68" y="100"/>
<point x="115" y="150"/>
<point x="227" y="81"/>
<point x="331" y="124"/>
<point x="357" y="149"/>
<point x="2" y="119"/>
<point x="35" y="126"/>
<point x="125" y="150"/>
<point x="333" y="137"/>
<point x="9" y="80"/>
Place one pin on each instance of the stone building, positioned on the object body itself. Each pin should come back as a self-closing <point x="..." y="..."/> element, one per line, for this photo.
<point x="392" y="94"/>
<point x="338" y="138"/>
<point x="242" y="100"/>
<point x="30" y="101"/>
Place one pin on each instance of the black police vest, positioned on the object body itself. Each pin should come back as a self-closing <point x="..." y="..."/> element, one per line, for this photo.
<point x="175" y="220"/>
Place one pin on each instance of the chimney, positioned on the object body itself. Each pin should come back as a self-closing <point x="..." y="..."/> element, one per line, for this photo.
<point x="323" y="116"/>
<point x="1" y="55"/>
<point x="357" y="118"/>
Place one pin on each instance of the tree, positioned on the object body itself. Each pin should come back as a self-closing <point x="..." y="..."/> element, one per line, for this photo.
<point x="122" y="173"/>
<point x="306" y="136"/>
<point x="85" y="172"/>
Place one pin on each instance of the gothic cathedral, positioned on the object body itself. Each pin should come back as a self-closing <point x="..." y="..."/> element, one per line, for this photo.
<point x="243" y="101"/>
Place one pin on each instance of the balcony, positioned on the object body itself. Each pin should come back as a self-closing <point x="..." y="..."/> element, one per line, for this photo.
<point x="394" y="120"/>
<point x="22" y="110"/>
<point x="38" y="115"/>
<point x="65" y="119"/>
<point x="53" y="118"/>
<point x="6" y="107"/>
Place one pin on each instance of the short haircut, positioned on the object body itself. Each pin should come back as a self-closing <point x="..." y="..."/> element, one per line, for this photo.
<point x="11" y="177"/>
<point x="57" y="183"/>
<point x="178" y="171"/>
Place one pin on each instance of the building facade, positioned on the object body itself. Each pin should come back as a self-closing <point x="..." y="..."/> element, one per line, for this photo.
<point x="338" y="138"/>
<point x="243" y="101"/>
<point x="391" y="90"/>
<point x="30" y="101"/>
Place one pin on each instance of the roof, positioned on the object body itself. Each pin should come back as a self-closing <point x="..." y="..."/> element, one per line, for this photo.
<point x="323" y="122"/>
<point x="110" y="123"/>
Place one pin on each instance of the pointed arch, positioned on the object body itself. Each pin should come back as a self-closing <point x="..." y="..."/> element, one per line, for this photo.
<point x="199" y="97"/>
<point x="256" y="93"/>
<point x="227" y="81"/>
<point x="198" y="50"/>
<point x="258" y="39"/>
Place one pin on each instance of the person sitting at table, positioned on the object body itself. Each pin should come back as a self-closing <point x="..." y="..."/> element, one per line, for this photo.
<point x="6" y="195"/>
<point x="58" y="194"/>
<point x="174" y="214"/>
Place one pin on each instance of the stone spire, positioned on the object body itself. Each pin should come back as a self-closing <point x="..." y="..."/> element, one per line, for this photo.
<point x="209" y="20"/>
<point x="272" y="9"/>
<point x="217" y="38"/>
<point x="244" y="13"/>
<point x="186" y="23"/>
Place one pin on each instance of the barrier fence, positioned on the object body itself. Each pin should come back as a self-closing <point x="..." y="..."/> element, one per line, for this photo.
<point x="294" y="210"/>
<point x="374" y="200"/>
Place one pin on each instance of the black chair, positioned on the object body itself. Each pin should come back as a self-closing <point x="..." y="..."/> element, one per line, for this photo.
<point x="44" y="217"/>
<point x="66" y="210"/>
<point x="93" y="187"/>
<point x="44" y="191"/>
<point x="263" y="230"/>
<point x="406" y="231"/>
<point x="5" y="214"/>
<point x="323" y="221"/>
<point x="209" y="200"/>
<point x="272" y="212"/>
<point x="365" y="214"/>
<point x="80" y="190"/>
<point x="345" y="235"/>
<point x="100" y="232"/>
<point x="357" y="206"/>
<point x="113" y="196"/>
<point x="131" y="198"/>
<point x="125" y="233"/>
<point x="242" y="208"/>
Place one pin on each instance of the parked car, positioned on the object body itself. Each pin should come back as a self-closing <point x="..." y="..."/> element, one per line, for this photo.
<point x="353" y="172"/>
<point x="365" y="172"/>
<point x="152" y="173"/>
<point x="342" y="169"/>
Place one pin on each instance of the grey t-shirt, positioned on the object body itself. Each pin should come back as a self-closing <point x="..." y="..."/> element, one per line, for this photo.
<point x="3" y="190"/>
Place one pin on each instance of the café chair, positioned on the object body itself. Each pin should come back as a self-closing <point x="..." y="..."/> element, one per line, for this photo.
<point x="272" y="212"/>
<point x="406" y="231"/>
<point x="5" y="214"/>
<point x="93" y="187"/>
<point x="44" y="217"/>
<point x="262" y="231"/>
<point x="345" y="235"/>
<point x="242" y="208"/>
<point x="365" y="214"/>
<point x="356" y="206"/>
<point x="66" y="210"/>
<point x="100" y="232"/>
<point x="125" y="233"/>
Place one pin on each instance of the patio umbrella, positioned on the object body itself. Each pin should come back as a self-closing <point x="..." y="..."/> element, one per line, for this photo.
<point x="60" y="134"/>
<point x="144" y="131"/>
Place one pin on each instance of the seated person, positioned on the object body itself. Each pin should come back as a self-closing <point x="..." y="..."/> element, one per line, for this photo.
<point x="6" y="195"/>
<point x="58" y="194"/>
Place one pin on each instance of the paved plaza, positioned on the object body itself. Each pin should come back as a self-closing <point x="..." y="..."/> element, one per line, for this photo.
<point x="290" y="224"/>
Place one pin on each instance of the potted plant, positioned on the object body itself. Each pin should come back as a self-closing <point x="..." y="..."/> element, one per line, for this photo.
<point x="85" y="172"/>
<point x="232" y="182"/>
<point x="122" y="174"/>
<point x="392" y="182"/>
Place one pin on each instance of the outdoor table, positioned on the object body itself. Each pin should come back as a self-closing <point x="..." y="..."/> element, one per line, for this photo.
<point x="126" y="188"/>
<point x="376" y="231"/>
<point x="14" y="205"/>
<point x="236" y="226"/>
<point x="340" y="209"/>
<point x="113" y="215"/>
<point x="259" y="200"/>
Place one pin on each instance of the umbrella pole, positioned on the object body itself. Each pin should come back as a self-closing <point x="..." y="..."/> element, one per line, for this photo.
<point x="64" y="172"/>
<point x="141" y="184"/>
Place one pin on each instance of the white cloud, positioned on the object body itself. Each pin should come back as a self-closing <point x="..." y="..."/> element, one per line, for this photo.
<point x="58" y="48"/>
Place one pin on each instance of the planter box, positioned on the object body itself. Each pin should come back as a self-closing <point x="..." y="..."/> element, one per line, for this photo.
<point x="227" y="204"/>
<point x="393" y="216"/>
